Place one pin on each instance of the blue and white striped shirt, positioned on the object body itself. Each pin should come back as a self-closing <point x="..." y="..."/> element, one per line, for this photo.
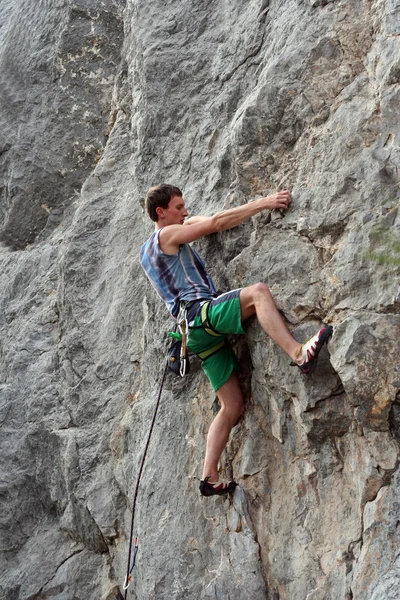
<point x="175" y="277"/>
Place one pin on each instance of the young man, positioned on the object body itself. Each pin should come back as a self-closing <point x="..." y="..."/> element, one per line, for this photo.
<point x="179" y="276"/>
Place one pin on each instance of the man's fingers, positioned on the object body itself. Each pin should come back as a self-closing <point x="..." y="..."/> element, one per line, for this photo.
<point x="283" y="202"/>
<point x="283" y="199"/>
<point x="280" y="200"/>
<point x="285" y="194"/>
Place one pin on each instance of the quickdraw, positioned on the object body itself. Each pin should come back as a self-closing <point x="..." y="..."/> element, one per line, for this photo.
<point x="127" y="581"/>
<point x="184" y="330"/>
<point x="177" y="357"/>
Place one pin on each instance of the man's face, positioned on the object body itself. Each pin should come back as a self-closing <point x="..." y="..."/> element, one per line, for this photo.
<point x="176" y="212"/>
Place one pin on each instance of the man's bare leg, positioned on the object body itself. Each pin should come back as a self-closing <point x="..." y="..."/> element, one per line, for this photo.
<point x="256" y="299"/>
<point x="231" y="400"/>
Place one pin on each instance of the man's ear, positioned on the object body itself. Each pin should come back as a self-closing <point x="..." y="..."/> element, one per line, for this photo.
<point x="160" y="212"/>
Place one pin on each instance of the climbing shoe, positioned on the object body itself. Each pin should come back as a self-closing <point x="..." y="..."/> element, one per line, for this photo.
<point x="311" y="348"/>
<point x="218" y="488"/>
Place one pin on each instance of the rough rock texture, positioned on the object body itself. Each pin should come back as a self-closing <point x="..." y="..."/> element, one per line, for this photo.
<point x="229" y="100"/>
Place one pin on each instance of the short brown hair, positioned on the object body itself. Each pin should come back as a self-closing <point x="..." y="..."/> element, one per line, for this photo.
<point x="160" y="195"/>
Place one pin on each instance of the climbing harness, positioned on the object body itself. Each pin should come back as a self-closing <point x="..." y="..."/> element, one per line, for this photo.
<point x="207" y="353"/>
<point x="205" y="321"/>
<point x="208" y="328"/>
<point x="133" y="542"/>
<point x="178" y="357"/>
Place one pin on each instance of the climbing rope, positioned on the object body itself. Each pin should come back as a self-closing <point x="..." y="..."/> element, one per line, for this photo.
<point x="133" y="542"/>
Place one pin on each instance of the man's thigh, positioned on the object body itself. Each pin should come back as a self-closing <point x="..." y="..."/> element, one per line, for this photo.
<point x="247" y="297"/>
<point x="220" y="366"/>
<point x="225" y="313"/>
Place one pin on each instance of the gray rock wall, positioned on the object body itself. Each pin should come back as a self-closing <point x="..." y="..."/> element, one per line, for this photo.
<point x="100" y="100"/>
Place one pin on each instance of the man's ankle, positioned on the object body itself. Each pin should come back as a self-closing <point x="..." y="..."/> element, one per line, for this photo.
<point x="298" y="355"/>
<point x="213" y="477"/>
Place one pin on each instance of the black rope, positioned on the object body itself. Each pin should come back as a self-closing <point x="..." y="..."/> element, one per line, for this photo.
<point x="131" y="540"/>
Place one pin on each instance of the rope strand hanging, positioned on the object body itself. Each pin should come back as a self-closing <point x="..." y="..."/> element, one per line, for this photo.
<point x="133" y="542"/>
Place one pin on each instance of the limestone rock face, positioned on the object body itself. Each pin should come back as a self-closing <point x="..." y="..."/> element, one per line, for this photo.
<point x="229" y="101"/>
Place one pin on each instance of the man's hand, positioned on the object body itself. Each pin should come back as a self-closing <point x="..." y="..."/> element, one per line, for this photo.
<point x="281" y="200"/>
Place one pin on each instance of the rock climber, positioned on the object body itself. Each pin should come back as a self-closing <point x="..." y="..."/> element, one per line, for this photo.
<point x="179" y="276"/>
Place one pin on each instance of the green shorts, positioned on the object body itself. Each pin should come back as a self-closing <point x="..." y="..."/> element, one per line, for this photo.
<point x="224" y="315"/>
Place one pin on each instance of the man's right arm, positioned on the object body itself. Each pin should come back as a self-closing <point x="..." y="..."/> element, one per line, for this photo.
<point x="172" y="236"/>
<point x="232" y="217"/>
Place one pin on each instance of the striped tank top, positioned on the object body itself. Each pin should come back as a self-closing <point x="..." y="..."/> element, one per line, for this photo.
<point x="175" y="277"/>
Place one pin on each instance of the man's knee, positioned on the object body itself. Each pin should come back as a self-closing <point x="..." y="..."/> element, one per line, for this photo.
<point x="253" y="296"/>
<point x="236" y="409"/>
<point x="259" y="291"/>
<point x="261" y="288"/>
<point x="230" y="396"/>
<point x="239" y="406"/>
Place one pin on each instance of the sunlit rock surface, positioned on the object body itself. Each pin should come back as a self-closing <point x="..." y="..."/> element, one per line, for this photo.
<point x="99" y="101"/>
